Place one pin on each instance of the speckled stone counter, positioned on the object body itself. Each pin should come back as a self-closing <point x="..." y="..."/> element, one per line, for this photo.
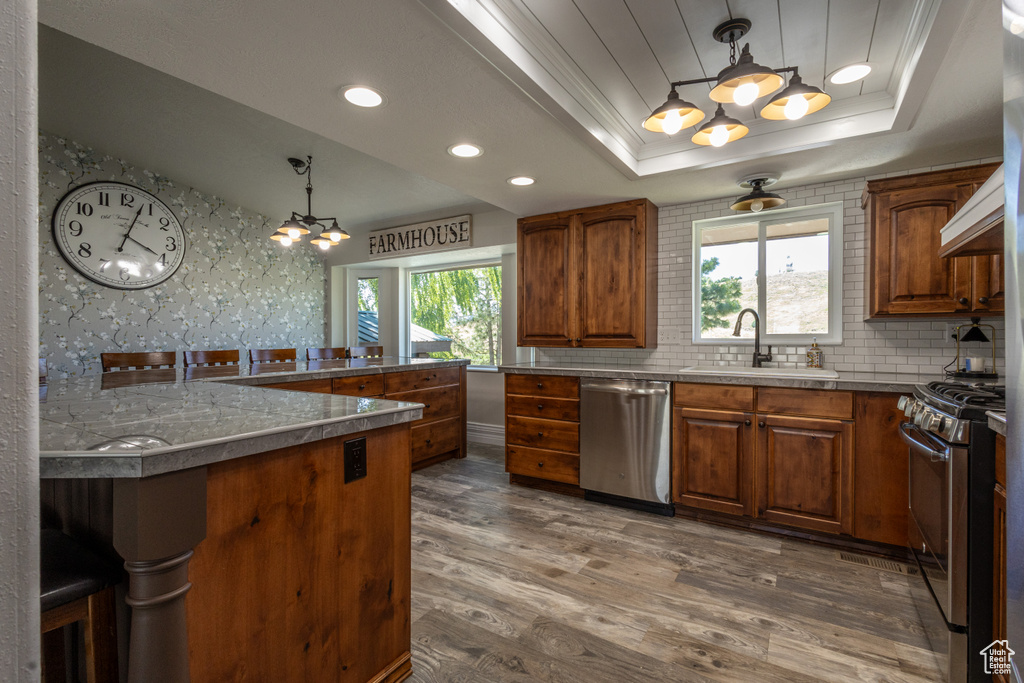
<point x="997" y="421"/>
<point x="854" y="381"/>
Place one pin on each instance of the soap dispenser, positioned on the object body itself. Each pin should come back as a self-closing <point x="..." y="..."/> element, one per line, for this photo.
<point x="814" y="354"/>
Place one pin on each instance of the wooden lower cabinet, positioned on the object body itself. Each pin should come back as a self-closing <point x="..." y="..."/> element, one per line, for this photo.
<point x="804" y="472"/>
<point x="880" y="470"/>
<point x="542" y="428"/>
<point x="541" y="463"/>
<point x="713" y="464"/>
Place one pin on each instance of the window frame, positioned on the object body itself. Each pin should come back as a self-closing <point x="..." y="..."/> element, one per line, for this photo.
<point x="455" y="265"/>
<point x="833" y="211"/>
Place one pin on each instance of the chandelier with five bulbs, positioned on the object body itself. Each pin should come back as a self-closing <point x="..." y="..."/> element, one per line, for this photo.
<point x="294" y="228"/>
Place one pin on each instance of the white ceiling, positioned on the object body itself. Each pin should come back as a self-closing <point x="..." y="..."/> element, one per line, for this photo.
<point x="220" y="94"/>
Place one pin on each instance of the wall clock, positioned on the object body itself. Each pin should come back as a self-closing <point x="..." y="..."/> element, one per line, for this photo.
<point x="118" y="235"/>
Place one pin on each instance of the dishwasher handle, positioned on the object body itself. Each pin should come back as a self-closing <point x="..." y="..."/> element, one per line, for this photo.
<point x="661" y="388"/>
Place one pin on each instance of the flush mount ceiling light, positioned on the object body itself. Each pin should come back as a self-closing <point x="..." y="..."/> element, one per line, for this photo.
<point x="465" y="150"/>
<point x="849" y="74"/>
<point x="742" y="82"/>
<point x="362" y="96"/>
<point x="298" y="225"/>
<point x="757" y="199"/>
<point x="521" y="181"/>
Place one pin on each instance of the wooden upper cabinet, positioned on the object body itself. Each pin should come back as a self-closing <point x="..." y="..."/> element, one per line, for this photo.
<point x="588" y="277"/>
<point x="906" y="275"/>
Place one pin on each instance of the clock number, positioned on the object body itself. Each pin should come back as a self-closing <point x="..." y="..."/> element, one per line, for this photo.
<point x="162" y="260"/>
<point x="104" y="199"/>
<point x="85" y="250"/>
<point x="125" y="275"/>
<point x="150" y="211"/>
<point x="104" y="263"/>
<point x="164" y="223"/>
<point x="171" y="244"/>
<point x="127" y="199"/>
<point x="83" y="208"/>
<point x="75" y="228"/>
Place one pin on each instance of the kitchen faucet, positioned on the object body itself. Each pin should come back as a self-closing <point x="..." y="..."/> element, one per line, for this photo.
<point x="758" y="356"/>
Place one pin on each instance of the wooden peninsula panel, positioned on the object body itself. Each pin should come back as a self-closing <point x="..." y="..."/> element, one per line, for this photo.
<point x="303" y="577"/>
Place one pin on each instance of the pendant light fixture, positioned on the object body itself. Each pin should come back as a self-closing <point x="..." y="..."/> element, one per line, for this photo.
<point x="757" y="199"/>
<point x="298" y="225"/>
<point x="742" y="82"/>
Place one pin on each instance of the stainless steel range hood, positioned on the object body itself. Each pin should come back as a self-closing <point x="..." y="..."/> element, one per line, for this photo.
<point x="977" y="228"/>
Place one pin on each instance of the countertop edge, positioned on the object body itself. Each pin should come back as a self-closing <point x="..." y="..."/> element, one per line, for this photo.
<point x="997" y="421"/>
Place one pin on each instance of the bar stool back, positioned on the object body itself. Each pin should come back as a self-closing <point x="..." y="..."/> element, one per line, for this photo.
<point x="225" y="357"/>
<point x="327" y="353"/>
<point x="139" y="361"/>
<point x="271" y="355"/>
<point x="366" y="352"/>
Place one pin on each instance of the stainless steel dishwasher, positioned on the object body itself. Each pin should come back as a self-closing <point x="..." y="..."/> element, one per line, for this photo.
<point x="625" y="457"/>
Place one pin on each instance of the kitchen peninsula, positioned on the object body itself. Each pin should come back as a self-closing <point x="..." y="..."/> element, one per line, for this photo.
<point x="275" y="525"/>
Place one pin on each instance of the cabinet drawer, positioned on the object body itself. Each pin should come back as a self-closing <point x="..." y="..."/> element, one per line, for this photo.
<point x="361" y="385"/>
<point x="395" y="382"/>
<point x="543" y="464"/>
<point x="318" y="386"/>
<point x="435" y="438"/>
<point x="807" y="402"/>
<point x="713" y="396"/>
<point x="438" y="403"/>
<point x="549" y="434"/>
<point x="543" y="385"/>
<point x="541" y="406"/>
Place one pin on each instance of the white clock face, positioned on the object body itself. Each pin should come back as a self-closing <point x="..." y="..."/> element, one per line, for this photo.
<point x="118" y="235"/>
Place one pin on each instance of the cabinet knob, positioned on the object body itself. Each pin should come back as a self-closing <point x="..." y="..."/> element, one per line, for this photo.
<point x="540" y="464"/>
<point x="426" y="406"/>
<point x="746" y="422"/>
<point x="761" y="423"/>
<point x="540" y="385"/>
<point x="963" y="301"/>
<point x="362" y="386"/>
<point x="540" y="434"/>
<point x="540" y="407"/>
<point x="428" y="442"/>
<point x="982" y="299"/>
<point x="578" y="340"/>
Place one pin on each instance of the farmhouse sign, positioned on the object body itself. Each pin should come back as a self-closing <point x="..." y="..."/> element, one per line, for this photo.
<point x="422" y="238"/>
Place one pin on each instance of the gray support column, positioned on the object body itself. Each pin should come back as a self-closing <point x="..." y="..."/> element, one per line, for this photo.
<point x="157" y="522"/>
<point x="19" y="343"/>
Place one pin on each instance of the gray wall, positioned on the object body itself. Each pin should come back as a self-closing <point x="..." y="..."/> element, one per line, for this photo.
<point x="236" y="289"/>
<point x="19" y="412"/>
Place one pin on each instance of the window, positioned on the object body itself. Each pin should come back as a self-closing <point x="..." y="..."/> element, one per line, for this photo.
<point x="367" y="296"/>
<point x="785" y="264"/>
<point x="456" y="313"/>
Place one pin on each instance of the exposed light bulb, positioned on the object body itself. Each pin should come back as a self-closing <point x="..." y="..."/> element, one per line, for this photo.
<point x="335" y="236"/>
<point x="294" y="233"/>
<point x="324" y="245"/>
<point x="672" y="123"/>
<point x="756" y="205"/>
<point x="745" y="94"/>
<point x="286" y="241"/>
<point x="719" y="136"/>
<point x="796" y="107"/>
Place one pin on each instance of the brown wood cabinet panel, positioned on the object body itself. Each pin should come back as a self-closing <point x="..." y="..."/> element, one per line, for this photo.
<point x="439" y="403"/>
<point x="1001" y="460"/>
<point x="988" y="284"/>
<point x="395" y="382"/>
<point x="807" y="402"/>
<point x="880" y="502"/>
<point x="553" y="435"/>
<point x="317" y="386"/>
<point x="360" y="385"/>
<point x="547" y="288"/>
<point x="999" y="560"/>
<point x="713" y="396"/>
<point x="804" y="472"/>
<point x="712" y="464"/>
<point x="543" y="385"/>
<point x="543" y="464"/>
<point x="539" y="406"/>
<point x="435" y="438"/>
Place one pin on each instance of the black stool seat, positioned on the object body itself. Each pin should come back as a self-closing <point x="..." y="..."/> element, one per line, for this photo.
<point x="69" y="571"/>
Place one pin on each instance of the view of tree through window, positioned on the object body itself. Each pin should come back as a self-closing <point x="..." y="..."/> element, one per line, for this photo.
<point x="463" y="305"/>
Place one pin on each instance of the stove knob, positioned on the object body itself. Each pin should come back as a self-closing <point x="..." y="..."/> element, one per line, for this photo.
<point x="902" y="403"/>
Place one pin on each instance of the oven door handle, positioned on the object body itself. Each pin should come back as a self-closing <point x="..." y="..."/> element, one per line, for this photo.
<point x="906" y="428"/>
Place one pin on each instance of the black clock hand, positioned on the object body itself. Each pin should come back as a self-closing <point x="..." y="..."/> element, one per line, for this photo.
<point x="141" y="245"/>
<point x="137" y="214"/>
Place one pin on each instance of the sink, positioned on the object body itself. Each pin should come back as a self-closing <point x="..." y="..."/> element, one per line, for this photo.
<point x="747" y="371"/>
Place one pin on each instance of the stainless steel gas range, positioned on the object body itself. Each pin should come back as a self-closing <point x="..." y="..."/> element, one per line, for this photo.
<point x="952" y="470"/>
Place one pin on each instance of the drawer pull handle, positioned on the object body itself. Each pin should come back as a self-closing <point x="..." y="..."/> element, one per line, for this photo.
<point x="362" y="386"/>
<point x="540" y="464"/>
<point x="540" y="406"/>
<point x="540" y="385"/>
<point x="540" y="434"/>
<point x="428" y="442"/>
<point x="963" y="301"/>
<point x="426" y="406"/>
<point x="982" y="299"/>
<point x="746" y="422"/>
<point x="761" y="423"/>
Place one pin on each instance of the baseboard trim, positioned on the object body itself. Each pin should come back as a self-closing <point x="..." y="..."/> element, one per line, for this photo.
<point x="481" y="432"/>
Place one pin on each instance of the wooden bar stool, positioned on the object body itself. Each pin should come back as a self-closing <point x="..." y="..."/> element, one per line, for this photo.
<point x="113" y="362"/>
<point x="327" y="353"/>
<point x="366" y="352"/>
<point x="271" y="355"/>
<point x="226" y="357"/>
<point x="75" y="585"/>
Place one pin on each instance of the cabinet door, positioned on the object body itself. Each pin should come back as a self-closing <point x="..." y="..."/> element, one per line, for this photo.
<point x="612" y="285"/>
<point x="881" y="507"/>
<point x="988" y="284"/>
<point x="909" y="277"/>
<point x="804" y="472"/>
<point x="712" y="463"/>
<point x="547" y="289"/>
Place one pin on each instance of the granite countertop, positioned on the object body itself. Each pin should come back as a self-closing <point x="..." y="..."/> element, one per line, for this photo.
<point x="91" y="428"/>
<point x="997" y="421"/>
<point x="855" y="381"/>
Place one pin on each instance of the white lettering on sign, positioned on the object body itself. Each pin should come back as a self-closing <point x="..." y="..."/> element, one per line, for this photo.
<point x="443" y="235"/>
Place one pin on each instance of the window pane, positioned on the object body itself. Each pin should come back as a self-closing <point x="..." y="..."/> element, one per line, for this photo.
<point x="368" y="294"/>
<point x="728" y="281"/>
<point x="796" y="283"/>
<point x="457" y="314"/>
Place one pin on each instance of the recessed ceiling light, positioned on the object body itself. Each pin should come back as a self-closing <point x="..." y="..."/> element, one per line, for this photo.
<point x="465" y="150"/>
<point x="362" y="96"/>
<point x="521" y="180"/>
<point x="849" y="74"/>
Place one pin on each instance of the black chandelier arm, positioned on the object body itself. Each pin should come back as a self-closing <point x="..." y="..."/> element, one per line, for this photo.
<point x="714" y="79"/>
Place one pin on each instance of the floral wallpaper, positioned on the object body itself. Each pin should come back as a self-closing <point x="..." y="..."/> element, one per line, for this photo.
<point x="235" y="289"/>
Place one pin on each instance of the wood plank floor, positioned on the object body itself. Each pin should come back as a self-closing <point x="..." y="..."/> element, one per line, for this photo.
<point x="512" y="584"/>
